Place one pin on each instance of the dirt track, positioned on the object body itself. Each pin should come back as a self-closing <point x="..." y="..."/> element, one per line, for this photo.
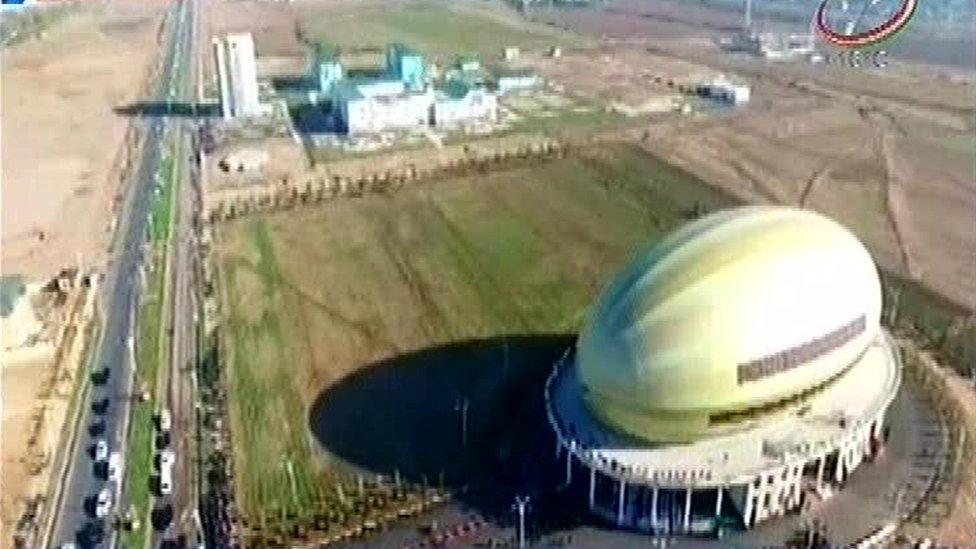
<point x="888" y="152"/>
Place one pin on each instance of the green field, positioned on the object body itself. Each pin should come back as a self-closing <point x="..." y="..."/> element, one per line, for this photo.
<point x="316" y="294"/>
<point x="569" y="123"/>
<point x="434" y="286"/>
<point x="163" y="203"/>
<point x="432" y="27"/>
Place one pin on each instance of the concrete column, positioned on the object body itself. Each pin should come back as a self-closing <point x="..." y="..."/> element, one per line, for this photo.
<point x="797" y="485"/>
<point x="747" y="514"/>
<point x="839" y="469"/>
<point x="592" y="487"/>
<point x="620" y="503"/>
<point x="654" y="508"/>
<point x="687" y="521"/>
<point x="569" y="463"/>
<point x="820" y="471"/>
<point x="759" y="509"/>
<point x="718" y="503"/>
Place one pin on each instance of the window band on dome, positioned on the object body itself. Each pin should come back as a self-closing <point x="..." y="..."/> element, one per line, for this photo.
<point x="782" y="361"/>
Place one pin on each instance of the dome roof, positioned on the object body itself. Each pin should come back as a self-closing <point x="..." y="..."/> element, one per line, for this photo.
<point x="734" y="312"/>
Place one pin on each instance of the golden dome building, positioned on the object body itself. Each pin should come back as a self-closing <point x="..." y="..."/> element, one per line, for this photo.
<point x="728" y="372"/>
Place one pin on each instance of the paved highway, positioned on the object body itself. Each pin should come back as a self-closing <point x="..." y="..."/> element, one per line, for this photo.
<point x="104" y="415"/>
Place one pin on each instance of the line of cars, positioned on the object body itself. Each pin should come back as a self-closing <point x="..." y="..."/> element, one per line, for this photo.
<point x="165" y="457"/>
<point x="108" y="466"/>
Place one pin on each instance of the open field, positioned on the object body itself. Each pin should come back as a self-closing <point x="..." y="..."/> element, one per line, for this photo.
<point x="369" y="318"/>
<point x="272" y="24"/>
<point x="22" y="387"/>
<point x="283" y="32"/>
<point x="58" y="95"/>
<point x="314" y="295"/>
<point x="559" y="115"/>
<point x="886" y="152"/>
<point x="883" y="151"/>
<point x="437" y="28"/>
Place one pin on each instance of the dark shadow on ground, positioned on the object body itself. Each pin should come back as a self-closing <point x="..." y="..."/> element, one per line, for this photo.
<point x="366" y="73"/>
<point x="314" y="119"/>
<point x="405" y="414"/>
<point x="175" y="109"/>
<point x="294" y="84"/>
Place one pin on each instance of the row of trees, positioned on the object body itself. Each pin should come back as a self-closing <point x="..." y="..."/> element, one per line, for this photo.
<point x="314" y="190"/>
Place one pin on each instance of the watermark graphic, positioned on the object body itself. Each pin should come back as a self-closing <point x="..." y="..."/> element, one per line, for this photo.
<point x="854" y="24"/>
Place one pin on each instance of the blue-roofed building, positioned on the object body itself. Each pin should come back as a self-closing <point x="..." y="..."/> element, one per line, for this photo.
<point x="406" y="64"/>
<point x="399" y="99"/>
<point x="370" y="87"/>
<point x="330" y="72"/>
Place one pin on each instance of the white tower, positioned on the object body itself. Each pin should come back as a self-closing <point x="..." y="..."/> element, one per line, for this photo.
<point x="237" y="75"/>
<point x="223" y="79"/>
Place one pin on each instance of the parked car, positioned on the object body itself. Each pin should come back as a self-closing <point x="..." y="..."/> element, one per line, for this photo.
<point x="165" y="421"/>
<point x="101" y="450"/>
<point x="100" y="406"/>
<point x="166" y="459"/>
<point x="92" y="534"/>
<point x="166" y="481"/>
<point x="115" y="466"/>
<point x="103" y="505"/>
<point x="97" y="427"/>
<point x="99" y="377"/>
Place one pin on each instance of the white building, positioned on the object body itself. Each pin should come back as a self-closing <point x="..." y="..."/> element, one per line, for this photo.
<point x="360" y="113"/>
<point x="237" y="76"/>
<point x="375" y="106"/>
<point x="720" y="88"/>
<point x="517" y="81"/>
<point x="475" y="106"/>
<point x="372" y="88"/>
<point x="772" y="46"/>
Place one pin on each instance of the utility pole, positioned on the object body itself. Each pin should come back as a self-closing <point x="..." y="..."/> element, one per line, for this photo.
<point x="504" y="356"/>
<point x="748" y="21"/>
<point x="899" y="495"/>
<point x="461" y="406"/>
<point x="291" y="481"/>
<point x="521" y="505"/>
